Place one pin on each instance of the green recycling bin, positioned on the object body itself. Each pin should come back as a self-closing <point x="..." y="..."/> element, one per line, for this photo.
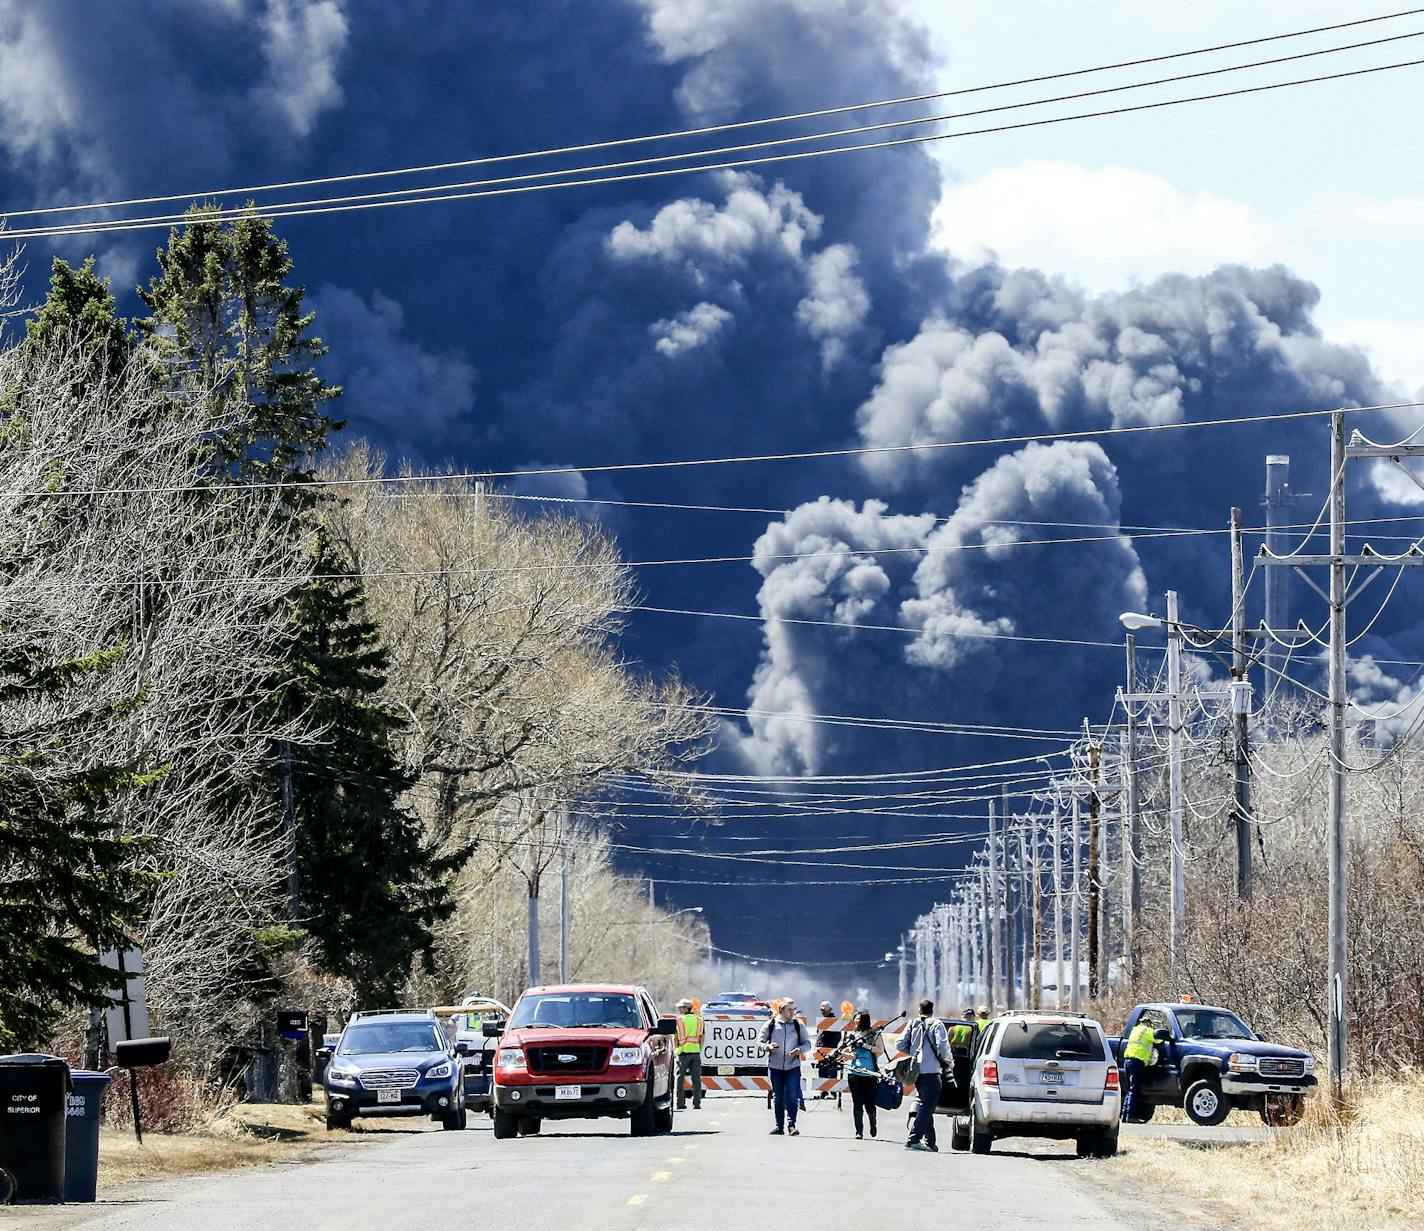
<point x="33" y="1093"/>
<point x="81" y="1134"/>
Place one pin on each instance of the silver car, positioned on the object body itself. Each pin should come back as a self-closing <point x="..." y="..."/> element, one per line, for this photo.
<point x="1043" y="1075"/>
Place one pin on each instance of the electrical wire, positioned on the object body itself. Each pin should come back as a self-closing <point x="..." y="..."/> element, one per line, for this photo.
<point x="100" y="228"/>
<point x="392" y="196"/>
<point x="715" y="128"/>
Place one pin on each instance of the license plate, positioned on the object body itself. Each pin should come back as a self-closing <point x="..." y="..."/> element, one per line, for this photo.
<point x="726" y="1070"/>
<point x="388" y="1096"/>
<point x="1051" y="1078"/>
<point x="567" y="1092"/>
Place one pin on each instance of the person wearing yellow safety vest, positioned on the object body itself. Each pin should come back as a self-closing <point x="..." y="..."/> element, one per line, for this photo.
<point x="689" y="1054"/>
<point x="1137" y="1051"/>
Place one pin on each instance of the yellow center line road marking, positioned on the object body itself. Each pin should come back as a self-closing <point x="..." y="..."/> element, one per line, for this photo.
<point x="659" y="1176"/>
<point x="637" y="1198"/>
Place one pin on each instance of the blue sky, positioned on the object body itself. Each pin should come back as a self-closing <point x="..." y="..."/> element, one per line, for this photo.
<point x="1193" y="264"/>
<point x="1327" y="178"/>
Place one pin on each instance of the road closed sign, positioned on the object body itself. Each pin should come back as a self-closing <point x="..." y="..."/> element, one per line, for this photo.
<point x="732" y="1042"/>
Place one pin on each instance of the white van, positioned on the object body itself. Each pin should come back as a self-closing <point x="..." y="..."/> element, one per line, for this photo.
<point x="1042" y="1075"/>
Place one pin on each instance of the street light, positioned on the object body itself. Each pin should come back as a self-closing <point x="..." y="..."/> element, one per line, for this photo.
<point x="1135" y="620"/>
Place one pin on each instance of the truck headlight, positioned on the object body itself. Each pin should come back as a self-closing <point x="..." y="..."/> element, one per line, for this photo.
<point x="630" y="1055"/>
<point x="1241" y="1063"/>
<point x="1310" y="1064"/>
<point x="438" y="1070"/>
<point x="512" y="1058"/>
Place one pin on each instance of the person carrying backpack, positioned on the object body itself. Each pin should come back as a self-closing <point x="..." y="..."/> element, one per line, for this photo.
<point x="787" y="1042"/>
<point x="927" y="1044"/>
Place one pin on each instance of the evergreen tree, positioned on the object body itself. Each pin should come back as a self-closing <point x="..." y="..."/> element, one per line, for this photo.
<point x="68" y="881"/>
<point x="224" y="315"/>
<point x="79" y="304"/>
<point x="371" y="886"/>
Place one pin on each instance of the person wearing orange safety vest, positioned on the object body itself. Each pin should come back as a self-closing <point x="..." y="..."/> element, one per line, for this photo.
<point x="1137" y="1051"/>
<point x="689" y="1054"/>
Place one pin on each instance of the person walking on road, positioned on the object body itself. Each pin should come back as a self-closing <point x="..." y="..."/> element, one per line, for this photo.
<point x="1136" y="1056"/>
<point x="787" y="1041"/>
<point x="927" y="1045"/>
<point x="863" y="1048"/>
<point x="689" y="1054"/>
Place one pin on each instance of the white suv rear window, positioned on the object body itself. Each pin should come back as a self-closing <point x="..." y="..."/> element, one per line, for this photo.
<point x="1051" y="1041"/>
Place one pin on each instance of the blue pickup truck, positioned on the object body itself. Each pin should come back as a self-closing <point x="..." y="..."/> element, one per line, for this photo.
<point x="1208" y="1061"/>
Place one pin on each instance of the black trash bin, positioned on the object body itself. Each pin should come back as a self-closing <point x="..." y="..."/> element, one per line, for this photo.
<point x="81" y="1134"/>
<point x="33" y="1095"/>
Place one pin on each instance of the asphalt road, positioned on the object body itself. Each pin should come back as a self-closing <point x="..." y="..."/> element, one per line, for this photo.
<point x="718" y="1168"/>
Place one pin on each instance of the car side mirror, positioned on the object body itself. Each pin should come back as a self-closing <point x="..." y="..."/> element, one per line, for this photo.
<point x="492" y="1030"/>
<point x="323" y="1053"/>
<point x="462" y="1048"/>
<point x="666" y="1025"/>
<point x="1162" y="1036"/>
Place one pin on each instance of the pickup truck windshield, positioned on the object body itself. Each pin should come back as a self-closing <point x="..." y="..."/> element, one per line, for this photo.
<point x="378" y="1037"/>
<point x="1050" y="1041"/>
<point x="1211" y="1024"/>
<point x="577" y="1010"/>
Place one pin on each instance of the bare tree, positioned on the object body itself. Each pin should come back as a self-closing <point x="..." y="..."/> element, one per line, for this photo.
<point x="117" y="539"/>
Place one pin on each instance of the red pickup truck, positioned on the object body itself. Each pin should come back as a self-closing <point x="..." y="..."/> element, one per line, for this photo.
<point x="583" y="1051"/>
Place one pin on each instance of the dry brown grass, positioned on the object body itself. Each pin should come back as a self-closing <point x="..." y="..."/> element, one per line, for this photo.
<point x="1362" y="1170"/>
<point x="241" y="1136"/>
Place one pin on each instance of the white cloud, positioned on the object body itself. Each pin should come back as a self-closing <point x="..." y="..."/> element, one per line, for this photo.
<point x="693" y="232"/>
<point x="303" y="42"/>
<point x="1395" y="347"/>
<point x="689" y="330"/>
<point x="1103" y="226"/>
<point x="836" y="301"/>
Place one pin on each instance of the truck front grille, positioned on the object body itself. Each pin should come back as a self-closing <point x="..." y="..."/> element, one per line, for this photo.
<point x="1280" y="1066"/>
<point x="390" y="1079"/>
<point x="568" y="1059"/>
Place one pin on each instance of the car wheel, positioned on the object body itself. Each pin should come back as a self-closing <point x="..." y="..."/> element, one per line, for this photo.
<point x="959" y="1134"/>
<point x="1282" y="1110"/>
<point x="464" y="1118"/>
<point x="981" y="1140"/>
<point x="642" y="1120"/>
<point x="450" y="1121"/>
<point x="505" y="1125"/>
<point x="1205" y="1104"/>
<point x="334" y="1123"/>
<point x="1097" y="1145"/>
<point x="662" y="1119"/>
<point x="529" y="1126"/>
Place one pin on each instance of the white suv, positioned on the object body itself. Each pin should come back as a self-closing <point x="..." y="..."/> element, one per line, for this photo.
<point x="1042" y="1075"/>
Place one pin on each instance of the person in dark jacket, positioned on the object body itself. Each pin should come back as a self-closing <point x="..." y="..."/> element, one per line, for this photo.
<point x="863" y="1049"/>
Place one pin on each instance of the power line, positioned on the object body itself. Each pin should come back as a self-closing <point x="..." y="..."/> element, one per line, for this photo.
<point x="389" y="196"/>
<point x="384" y="481"/>
<point x="707" y="130"/>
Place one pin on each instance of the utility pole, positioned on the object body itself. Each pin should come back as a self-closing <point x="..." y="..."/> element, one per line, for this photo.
<point x="564" y="907"/>
<point x="1279" y="502"/>
<point x="1339" y="698"/>
<point x="289" y="836"/>
<point x="996" y="918"/>
<point x="1240" y="697"/>
<point x="1037" y="1002"/>
<point x="1058" y="898"/>
<point x="904" y="945"/>
<point x="1132" y="831"/>
<point x="1175" y="791"/>
<point x="1028" y="904"/>
<point x="1011" y="908"/>
<point x="1075" y="976"/>
<point x="948" y="956"/>
<point x="1094" y="868"/>
<point x="986" y="921"/>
